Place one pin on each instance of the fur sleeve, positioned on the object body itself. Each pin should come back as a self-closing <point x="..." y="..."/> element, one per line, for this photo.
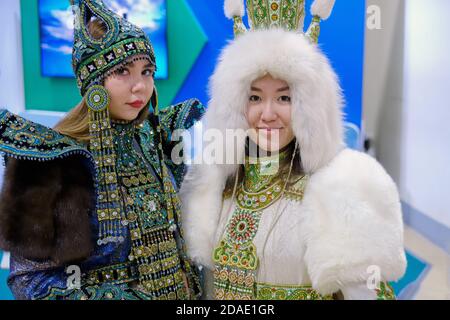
<point x="353" y="224"/>
<point x="44" y="210"/>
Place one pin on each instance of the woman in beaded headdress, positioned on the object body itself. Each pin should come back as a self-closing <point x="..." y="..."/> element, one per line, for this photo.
<point x="90" y="210"/>
<point x="299" y="216"/>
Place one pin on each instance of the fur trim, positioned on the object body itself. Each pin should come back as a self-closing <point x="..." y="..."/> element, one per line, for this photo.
<point x="201" y="206"/>
<point x="322" y="8"/>
<point x="352" y="220"/>
<point x="44" y="209"/>
<point x="317" y="118"/>
<point x="234" y="8"/>
<point x="315" y="90"/>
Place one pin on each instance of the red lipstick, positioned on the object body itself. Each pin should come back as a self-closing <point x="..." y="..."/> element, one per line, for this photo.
<point x="136" y="104"/>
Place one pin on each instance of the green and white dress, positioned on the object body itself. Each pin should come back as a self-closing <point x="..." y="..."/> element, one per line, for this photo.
<point x="259" y="252"/>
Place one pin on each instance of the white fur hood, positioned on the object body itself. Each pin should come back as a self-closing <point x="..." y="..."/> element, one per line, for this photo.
<point x="352" y="220"/>
<point x="315" y="92"/>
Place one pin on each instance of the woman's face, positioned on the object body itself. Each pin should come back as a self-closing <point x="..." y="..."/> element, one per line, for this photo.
<point x="130" y="89"/>
<point x="269" y="113"/>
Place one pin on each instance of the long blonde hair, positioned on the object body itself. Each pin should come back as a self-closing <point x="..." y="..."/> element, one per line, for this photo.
<point x="76" y="122"/>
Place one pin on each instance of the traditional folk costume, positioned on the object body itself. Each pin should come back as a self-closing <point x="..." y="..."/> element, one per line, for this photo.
<point x="327" y="224"/>
<point x="109" y="207"/>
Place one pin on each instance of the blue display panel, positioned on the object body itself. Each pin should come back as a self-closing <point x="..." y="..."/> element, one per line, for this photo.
<point x="56" y="30"/>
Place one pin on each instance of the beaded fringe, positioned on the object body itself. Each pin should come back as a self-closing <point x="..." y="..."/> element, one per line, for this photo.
<point x="108" y="206"/>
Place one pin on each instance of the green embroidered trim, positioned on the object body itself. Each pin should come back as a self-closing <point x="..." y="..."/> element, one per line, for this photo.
<point x="286" y="14"/>
<point x="259" y="176"/>
<point x="385" y="292"/>
<point x="235" y="258"/>
<point x="266" y="291"/>
<point x="238" y="26"/>
<point x="258" y="13"/>
<point x="259" y="200"/>
<point x="295" y="189"/>
<point x="266" y="14"/>
<point x="292" y="13"/>
<point x="313" y="32"/>
<point x="263" y="182"/>
<point x="232" y="283"/>
<point x="260" y="172"/>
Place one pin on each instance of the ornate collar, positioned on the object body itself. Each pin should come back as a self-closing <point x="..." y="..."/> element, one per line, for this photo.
<point x="259" y="172"/>
<point x="264" y="179"/>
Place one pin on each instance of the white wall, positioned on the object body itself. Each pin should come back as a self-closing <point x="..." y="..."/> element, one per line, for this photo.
<point x="383" y="83"/>
<point x="406" y="100"/>
<point x="11" y="66"/>
<point x="425" y="176"/>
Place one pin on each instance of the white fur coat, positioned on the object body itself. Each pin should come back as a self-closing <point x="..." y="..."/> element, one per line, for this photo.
<point x="351" y="206"/>
<point x="351" y="221"/>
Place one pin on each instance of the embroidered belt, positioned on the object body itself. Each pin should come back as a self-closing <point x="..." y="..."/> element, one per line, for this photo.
<point x="116" y="274"/>
<point x="281" y="292"/>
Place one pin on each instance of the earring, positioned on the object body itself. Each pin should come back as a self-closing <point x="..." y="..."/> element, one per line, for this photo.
<point x="109" y="213"/>
<point x="97" y="98"/>
<point x="154" y="101"/>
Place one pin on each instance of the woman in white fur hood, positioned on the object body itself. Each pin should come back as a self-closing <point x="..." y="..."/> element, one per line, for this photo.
<point x="328" y="223"/>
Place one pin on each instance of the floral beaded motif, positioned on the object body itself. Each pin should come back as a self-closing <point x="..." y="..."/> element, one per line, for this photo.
<point x="280" y="292"/>
<point x="288" y="14"/>
<point x="236" y="259"/>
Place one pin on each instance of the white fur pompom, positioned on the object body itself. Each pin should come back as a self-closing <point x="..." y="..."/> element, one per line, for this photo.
<point x="234" y="8"/>
<point x="322" y="8"/>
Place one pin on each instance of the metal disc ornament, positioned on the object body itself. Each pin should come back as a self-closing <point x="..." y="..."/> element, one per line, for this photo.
<point x="97" y="98"/>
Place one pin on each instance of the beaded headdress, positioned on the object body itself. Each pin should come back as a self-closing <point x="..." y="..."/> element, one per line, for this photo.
<point x="286" y="14"/>
<point x="94" y="59"/>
